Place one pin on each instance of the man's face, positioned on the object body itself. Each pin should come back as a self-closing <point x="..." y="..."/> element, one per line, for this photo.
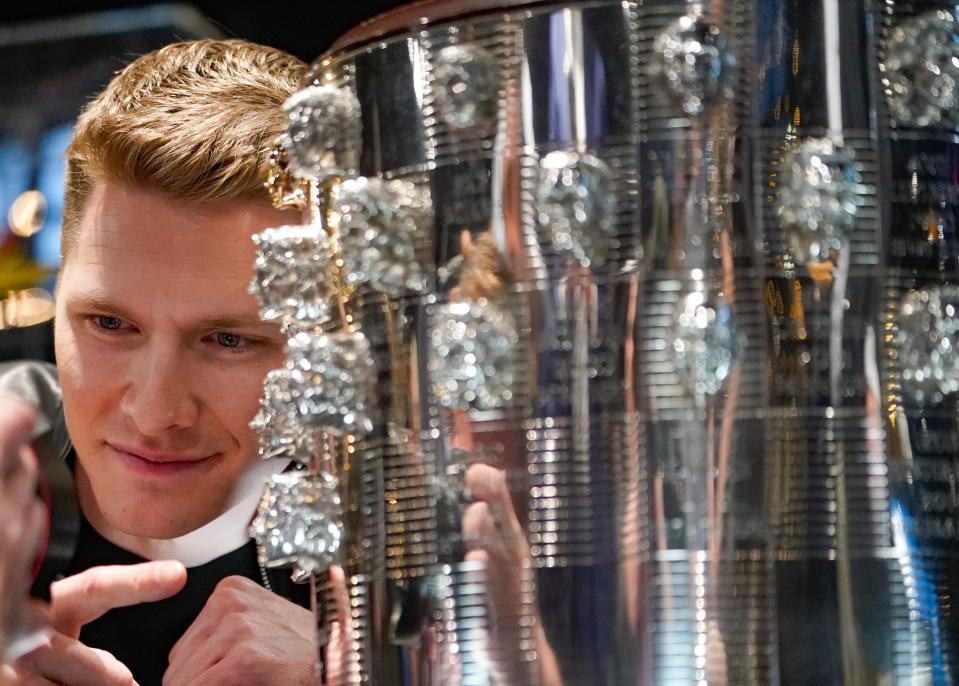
<point x="162" y="356"/>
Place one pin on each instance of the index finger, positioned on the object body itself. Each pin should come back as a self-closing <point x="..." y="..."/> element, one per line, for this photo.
<point x="485" y="482"/>
<point x="84" y="597"/>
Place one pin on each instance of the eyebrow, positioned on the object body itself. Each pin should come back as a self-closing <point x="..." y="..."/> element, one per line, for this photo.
<point x="98" y="302"/>
<point x="94" y="301"/>
<point x="238" y="322"/>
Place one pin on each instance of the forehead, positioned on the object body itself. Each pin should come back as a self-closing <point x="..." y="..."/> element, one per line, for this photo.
<point x="141" y="244"/>
<point x="120" y="218"/>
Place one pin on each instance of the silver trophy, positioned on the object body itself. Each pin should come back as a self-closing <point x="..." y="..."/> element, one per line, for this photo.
<point x="660" y="306"/>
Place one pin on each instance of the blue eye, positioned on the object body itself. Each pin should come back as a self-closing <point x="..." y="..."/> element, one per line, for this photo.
<point x="107" y="322"/>
<point x="228" y="340"/>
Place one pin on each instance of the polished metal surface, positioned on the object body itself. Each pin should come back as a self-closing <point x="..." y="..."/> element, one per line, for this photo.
<point x="678" y="402"/>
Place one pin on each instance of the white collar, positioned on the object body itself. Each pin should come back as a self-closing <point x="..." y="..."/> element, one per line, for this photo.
<point x="224" y="534"/>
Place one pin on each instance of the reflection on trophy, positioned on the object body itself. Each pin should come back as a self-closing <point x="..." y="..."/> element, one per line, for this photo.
<point x="624" y="343"/>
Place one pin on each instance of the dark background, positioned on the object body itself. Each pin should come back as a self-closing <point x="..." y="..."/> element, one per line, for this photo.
<point x="305" y="29"/>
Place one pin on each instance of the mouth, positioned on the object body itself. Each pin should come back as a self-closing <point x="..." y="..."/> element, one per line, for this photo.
<point x="157" y="464"/>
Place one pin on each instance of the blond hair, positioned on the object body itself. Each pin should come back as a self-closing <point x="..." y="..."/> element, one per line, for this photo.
<point x="196" y="120"/>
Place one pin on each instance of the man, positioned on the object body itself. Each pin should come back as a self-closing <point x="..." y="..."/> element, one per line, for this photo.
<point x="160" y="363"/>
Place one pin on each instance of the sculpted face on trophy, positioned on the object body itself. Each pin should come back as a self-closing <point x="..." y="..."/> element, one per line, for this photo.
<point x="818" y="198"/>
<point x="920" y="70"/>
<point x="298" y="524"/>
<point x="323" y="133"/>
<point x="926" y="341"/>
<point x="705" y="343"/>
<point x="278" y="421"/>
<point x="465" y="86"/>
<point x="332" y="375"/>
<point x="291" y="275"/>
<point x="470" y="355"/>
<point x="378" y="223"/>
<point x="694" y="63"/>
<point x="577" y="206"/>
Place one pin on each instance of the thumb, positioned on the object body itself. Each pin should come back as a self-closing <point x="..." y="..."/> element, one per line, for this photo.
<point x="84" y="597"/>
<point x="16" y="417"/>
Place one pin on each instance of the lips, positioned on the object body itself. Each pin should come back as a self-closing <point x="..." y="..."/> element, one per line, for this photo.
<point x="152" y="456"/>
<point x="157" y="463"/>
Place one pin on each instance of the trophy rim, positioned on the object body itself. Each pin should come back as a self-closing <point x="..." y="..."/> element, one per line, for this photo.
<point x="417" y="14"/>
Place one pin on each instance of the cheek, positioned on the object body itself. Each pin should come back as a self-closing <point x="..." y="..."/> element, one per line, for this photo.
<point x="85" y="371"/>
<point x="71" y="370"/>
<point x="80" y="391"/>
<point x="92" y="383"/>
<point x="234" y="399"/>
<point x="64" y="341"/>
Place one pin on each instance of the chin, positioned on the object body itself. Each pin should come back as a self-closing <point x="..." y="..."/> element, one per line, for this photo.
<point x="158" y="525"/>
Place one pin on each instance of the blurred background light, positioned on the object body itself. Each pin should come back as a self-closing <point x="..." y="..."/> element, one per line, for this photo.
<point x="27" y="214"/>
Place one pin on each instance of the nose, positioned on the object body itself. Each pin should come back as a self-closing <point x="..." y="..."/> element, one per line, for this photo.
<point x="159" y="395"/>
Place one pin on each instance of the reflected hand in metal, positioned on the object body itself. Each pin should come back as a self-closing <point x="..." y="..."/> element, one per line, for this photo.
<point x="494" y="536"/>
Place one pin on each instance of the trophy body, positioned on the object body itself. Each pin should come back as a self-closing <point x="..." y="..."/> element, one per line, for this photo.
<point x="669" y="397"/>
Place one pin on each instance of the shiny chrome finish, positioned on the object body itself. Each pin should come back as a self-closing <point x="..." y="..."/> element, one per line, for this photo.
<point x="648" y="421"/>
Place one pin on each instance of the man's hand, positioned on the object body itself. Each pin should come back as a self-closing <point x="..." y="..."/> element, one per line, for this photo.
<point x="246" y="635"/>
<point x="22" y="517"/>
<point x="80" y="599"/>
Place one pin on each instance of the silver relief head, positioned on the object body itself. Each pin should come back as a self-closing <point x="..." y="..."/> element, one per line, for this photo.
<point x="470" y="357"/>
<point x="819" y="195"/>
<point x="291" y="275"/>
<point x="331" y="375"/>
<point x="299" y="523"/>
<point x="706" y="343"/>
<point x="925" y="343"/>
<point x="323" y="132"/>
<point x="694" y="63"/>
<point x="577" y="206"/>
<point x="465" y="90"/>
<point x="920" y="70"/>
<point x="281" y="433"/>
<point x="379" y="223"/>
